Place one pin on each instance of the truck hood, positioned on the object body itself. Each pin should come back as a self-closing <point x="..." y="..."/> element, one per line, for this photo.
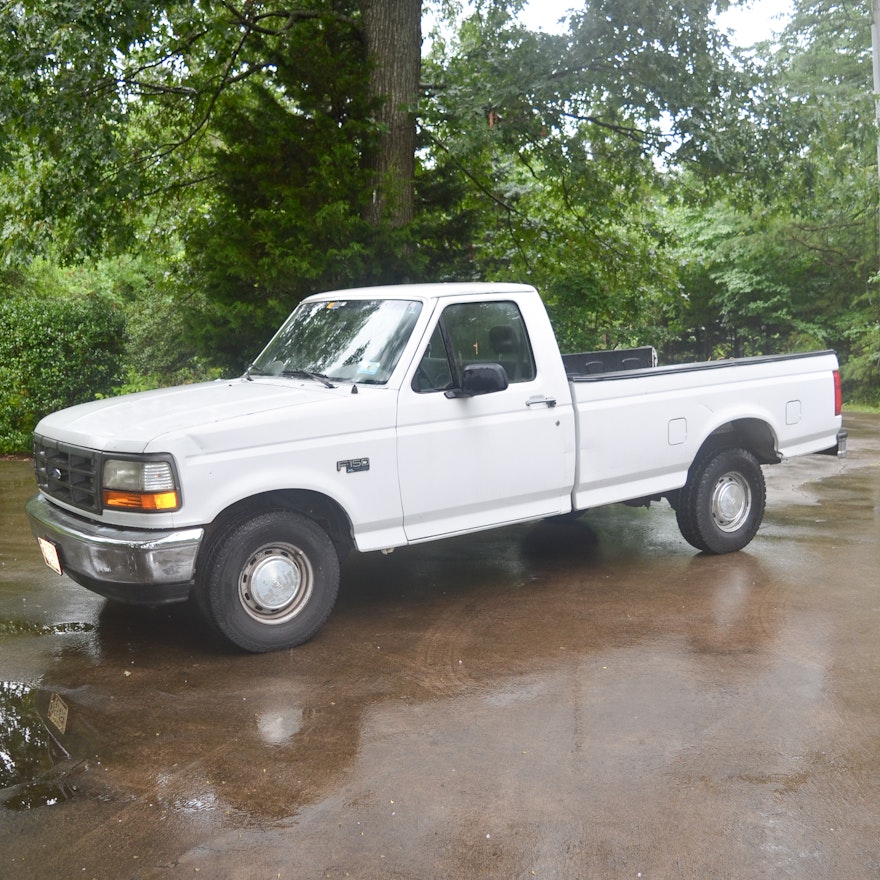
<point x="134" y="422"/>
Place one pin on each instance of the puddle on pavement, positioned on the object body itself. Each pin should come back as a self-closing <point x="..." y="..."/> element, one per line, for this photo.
<point x="29" y="627"/>
<point x="34" y="755"/>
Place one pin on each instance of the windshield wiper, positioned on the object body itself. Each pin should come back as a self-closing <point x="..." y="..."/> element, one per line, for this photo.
<point x="254" y="370"/>
<point x="305" y="374"/>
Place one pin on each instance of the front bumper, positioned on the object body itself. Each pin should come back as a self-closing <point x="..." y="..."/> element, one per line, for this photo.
<point x="136" y="566"/>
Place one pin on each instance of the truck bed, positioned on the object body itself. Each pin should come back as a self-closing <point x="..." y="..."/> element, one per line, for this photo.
<point x="671" y="410"/>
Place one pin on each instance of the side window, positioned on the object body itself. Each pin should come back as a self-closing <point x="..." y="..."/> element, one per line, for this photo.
<point x="434" y="372"/>
<point x="476" y="333"/>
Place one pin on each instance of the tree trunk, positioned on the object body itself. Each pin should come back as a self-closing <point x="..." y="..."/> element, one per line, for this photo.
<point x="393" y="37"/>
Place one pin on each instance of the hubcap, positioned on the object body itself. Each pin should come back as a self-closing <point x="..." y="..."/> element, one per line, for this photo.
<point x="275" y="583"/>
<point x="731" y="502"/>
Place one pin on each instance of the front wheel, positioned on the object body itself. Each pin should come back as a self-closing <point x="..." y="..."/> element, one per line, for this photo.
<point x="721" y="506"/>
<point x="270" y="582"/>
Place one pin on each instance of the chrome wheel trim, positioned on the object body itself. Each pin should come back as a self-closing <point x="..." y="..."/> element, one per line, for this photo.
<point x="731" y="502"/>
<point x="275" y="583"/>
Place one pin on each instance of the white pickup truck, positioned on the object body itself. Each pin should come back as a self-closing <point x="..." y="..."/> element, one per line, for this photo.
<point x="387" y="416"/>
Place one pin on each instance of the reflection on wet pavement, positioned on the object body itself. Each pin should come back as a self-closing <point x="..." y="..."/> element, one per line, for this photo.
<point x="588" y="698"/>
<point x="29" y="750"/>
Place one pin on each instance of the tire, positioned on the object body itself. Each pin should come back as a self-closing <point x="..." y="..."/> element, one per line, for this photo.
<point x="721" y="506"/>
<point x="269" y="582"/>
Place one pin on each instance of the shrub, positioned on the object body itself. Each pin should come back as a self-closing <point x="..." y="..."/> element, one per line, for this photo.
<point x="54" y="352"/>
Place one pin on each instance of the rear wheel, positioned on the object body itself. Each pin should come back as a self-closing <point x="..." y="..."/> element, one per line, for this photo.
<point x="721" y="506"/>
<point x="269" y="582"/>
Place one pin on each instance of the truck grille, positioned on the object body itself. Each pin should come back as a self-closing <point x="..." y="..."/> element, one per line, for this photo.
<point x="68" y="473"/>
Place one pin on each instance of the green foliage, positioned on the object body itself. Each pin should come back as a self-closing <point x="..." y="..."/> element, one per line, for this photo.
<point x="861" y="370"/>
<point x="784" y="258"/>
<point x="244" y="132"/>
<point x="159" y="348"/>
<point x="54" y="352"/>
<point x="285" y="215"/>
<point x="543" y="161"/>
<point x="63" y="116"/>
<point x="655" y="185"/>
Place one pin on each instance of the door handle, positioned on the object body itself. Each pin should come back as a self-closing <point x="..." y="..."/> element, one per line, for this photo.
<point x="549" y="402"/>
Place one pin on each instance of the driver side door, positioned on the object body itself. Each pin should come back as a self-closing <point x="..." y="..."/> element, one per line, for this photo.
<point x="471" y="462"/>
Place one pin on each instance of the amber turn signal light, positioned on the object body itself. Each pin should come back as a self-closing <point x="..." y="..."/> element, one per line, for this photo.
<point x="141" y="500"/>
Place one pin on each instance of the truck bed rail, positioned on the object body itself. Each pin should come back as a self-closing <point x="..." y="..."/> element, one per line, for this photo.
<point x="614" y="360"/>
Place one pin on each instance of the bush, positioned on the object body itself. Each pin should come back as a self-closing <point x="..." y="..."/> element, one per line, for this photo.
<point x="860" y="369"/>
<point x="54" y="352"/>
<point x="159" y="351"/>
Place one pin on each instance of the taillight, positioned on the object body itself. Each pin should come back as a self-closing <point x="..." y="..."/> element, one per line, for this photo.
<point x="838" y="394"/>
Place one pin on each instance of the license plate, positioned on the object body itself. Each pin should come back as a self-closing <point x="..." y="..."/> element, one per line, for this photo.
<point x="50" y="555"/>
<point x="58" y="713"/>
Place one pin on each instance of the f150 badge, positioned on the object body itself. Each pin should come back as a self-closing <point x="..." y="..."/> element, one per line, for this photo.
<point x="353" y="465"/>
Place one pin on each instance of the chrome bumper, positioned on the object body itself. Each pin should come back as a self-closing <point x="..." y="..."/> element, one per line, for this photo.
<point x="138" y="566"/>
<point x="839" y="448"/>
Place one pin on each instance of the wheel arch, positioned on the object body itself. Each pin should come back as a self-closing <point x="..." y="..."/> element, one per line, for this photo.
<point x="753" y="435"/>
<point x="325" y="511"/>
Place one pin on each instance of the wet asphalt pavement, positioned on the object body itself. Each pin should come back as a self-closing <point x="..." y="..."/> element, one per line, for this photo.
<point x="590" y="700"/>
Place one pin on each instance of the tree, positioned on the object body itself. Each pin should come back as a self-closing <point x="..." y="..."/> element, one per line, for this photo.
<point x="393" y="43"/>
<point x="653" y="183"/>
<point x="121" y="98"/>
<point x="276" y="144"/>
<point x="786" y="258"/>
<point x="549" y="150"/>
<point x="279" y="143"/>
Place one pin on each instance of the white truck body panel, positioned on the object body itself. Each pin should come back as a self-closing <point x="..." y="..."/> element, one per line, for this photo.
<point x="459" y="470"/>
<point x="240" y="438"/>
<point x="671" y="411"/>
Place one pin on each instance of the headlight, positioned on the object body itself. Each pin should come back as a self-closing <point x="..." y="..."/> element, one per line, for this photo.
<point x="140" y="485"/>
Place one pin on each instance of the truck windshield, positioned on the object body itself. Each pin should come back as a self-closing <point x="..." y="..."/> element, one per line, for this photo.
<point x="343" y="340"/>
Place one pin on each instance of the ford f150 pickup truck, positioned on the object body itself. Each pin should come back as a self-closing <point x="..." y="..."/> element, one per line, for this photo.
<point x="385" y="416"/>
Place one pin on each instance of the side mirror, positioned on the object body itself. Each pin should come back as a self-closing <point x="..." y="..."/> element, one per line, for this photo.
<point x="480" y="379"/>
